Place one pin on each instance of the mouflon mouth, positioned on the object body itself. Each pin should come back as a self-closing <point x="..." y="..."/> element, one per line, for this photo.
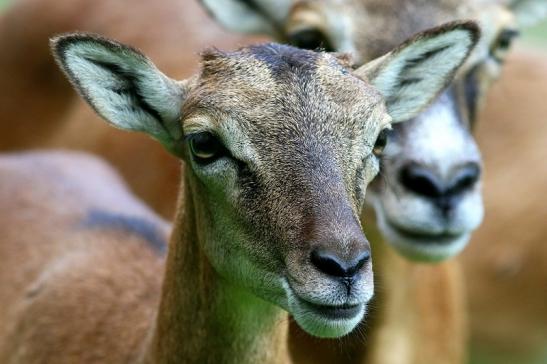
<point x="340" y="312"/>
<point x="333" y="312"/>
<point x="443" y="238"/>
<point x="327" y="319"/>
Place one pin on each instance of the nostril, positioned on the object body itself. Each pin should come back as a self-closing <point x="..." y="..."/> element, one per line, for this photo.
<point x="358" y="263"/>
<point x="420" y="180"/>
<point x="465" y="178"/>
<point x="329" y="263"/>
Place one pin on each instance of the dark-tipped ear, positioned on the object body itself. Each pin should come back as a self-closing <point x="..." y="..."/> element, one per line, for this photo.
<point x="123" y="86"/>
<point x="528" y="12"/>
<point x="415" y="73"/>
<point x="250" y="16"/>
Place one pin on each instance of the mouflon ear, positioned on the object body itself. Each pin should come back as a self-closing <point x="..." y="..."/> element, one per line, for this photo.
<point x="123" y="86"/>
<point x="415" y="73"/>
<point x="250" y="16"/>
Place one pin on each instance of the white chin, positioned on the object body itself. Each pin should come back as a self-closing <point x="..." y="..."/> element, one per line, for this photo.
<point x="331" y="324"/>
<point x="424" y="248"/>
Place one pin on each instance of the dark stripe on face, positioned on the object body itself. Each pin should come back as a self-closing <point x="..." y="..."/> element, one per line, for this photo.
<point x="135" y="225"/>
<point x="456" y="106"/>
<point x="471" y="93"/>
<point x="283" y="60"/>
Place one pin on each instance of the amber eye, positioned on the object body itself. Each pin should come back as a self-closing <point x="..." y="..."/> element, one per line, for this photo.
<point x="381" y="143"/>
<point x="205" y="147"/>
<point x="311" y="39"/>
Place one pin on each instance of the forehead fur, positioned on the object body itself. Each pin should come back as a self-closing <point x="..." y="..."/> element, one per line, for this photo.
<point x="383" y="24"/>
<point x="277" y="84"/>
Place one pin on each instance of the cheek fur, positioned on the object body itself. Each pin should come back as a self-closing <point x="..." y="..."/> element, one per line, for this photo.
<point x="370" y="170"/>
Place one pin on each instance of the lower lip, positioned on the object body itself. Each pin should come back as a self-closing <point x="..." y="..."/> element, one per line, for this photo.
<point x="425" y="238"/>
<point x="342" y="312"/>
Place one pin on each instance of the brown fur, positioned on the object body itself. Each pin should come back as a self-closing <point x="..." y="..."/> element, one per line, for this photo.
<point x="52" y="250"/>
<point x="421" y="312"/>
<point x="207" y="299"/>
<point x="505" y="264"/>
<point x="41" y="100"/>
<point x="419" y="319"/>
<point x="501" y="330"/>
<point x="89" y="294"/>
<point x="144" y="155"/>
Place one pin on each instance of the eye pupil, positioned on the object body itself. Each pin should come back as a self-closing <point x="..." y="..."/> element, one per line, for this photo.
<point x="311" y="39"/>
<point x="205" y="147"/>
<point x="380" y="144"/>
<point x="506" y="37"/>
<point x="504" y="43"/>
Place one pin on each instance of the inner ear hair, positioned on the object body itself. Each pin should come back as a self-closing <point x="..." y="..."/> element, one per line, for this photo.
<point x="128" y="87"/>
<point x="250" y="16"/>
<point x="123" y="86"/>
<point x="413" y="74"/>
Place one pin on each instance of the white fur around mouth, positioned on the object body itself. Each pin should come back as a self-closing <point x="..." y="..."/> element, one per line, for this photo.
<point x="420" y="246"/>
<point x="326" y="321"/>
<point x="335" y="313"/>
<point x="422" y="237"/>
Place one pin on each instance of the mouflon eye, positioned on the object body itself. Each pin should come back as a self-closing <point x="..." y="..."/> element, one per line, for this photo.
<point x="381" y="143"/>
<point x="505" y="38"/>
<point x="502" y="43"/>
<point x="311" y="39"/>
<point x="205" y="147"/>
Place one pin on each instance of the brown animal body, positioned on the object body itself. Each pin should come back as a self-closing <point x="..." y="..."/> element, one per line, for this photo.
<point x="505" y="264"/>
<point x="89" y="271"/>
<point x="70" y="230"/>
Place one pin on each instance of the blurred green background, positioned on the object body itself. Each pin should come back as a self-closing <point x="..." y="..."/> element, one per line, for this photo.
<point x="536" y="36"/>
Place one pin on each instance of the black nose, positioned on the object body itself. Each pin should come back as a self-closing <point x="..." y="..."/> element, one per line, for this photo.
<point x="331" y="264"/>
<point x="424" y="182"/>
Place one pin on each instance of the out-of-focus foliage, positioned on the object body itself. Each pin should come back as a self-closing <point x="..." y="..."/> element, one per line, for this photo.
<point x="536" y="35"/>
